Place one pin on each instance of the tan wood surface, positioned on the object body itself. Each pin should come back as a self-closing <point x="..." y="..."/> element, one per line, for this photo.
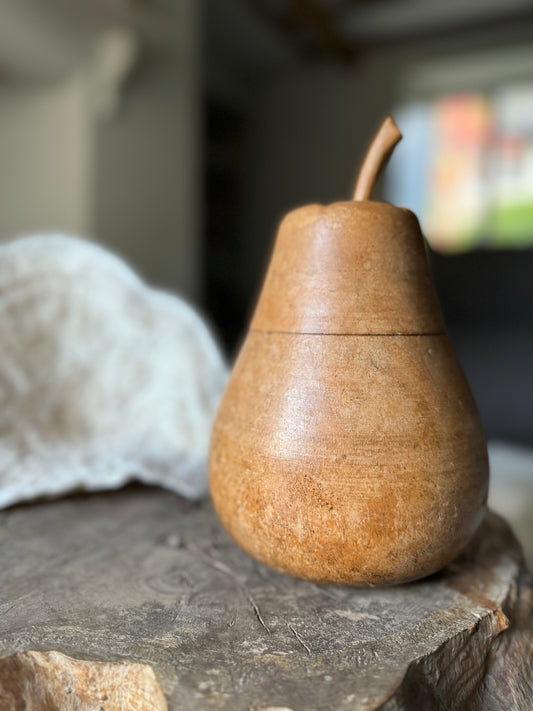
<point x="351" y="459"/>
<point x="347" y="447"/>
<point x="142" y="576"/>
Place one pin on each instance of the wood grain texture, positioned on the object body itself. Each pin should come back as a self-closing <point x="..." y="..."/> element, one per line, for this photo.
<point x="377" y="157"/>
<point x="334" y="477"/>
<point x="347" y="447"/>
<point x="51" y="681"/>
<point x="349" y="268"/>
<point x="142" y="576"/>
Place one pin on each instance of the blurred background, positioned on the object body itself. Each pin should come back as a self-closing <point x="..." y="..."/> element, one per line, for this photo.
<point x="178" y="133"/>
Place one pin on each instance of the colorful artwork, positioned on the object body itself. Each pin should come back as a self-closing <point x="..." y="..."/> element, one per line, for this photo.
<point x="467" y="168"/>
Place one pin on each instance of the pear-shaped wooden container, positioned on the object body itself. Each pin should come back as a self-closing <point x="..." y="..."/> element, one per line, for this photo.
<point x="347" y="447"/>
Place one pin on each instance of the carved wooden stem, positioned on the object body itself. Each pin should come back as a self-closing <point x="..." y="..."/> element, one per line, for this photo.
<point x="378" y="154"/>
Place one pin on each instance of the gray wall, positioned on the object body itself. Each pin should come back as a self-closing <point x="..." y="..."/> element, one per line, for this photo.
<point x="147" y="179"/>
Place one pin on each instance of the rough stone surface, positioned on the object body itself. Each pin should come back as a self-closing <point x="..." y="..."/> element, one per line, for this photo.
<point x="143" y="576"/>
<point x="51" y="681"/>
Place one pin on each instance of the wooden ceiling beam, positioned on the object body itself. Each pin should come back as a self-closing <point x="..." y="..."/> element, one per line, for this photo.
<point x="311" y="14"/>
<point x="299" y="18"/>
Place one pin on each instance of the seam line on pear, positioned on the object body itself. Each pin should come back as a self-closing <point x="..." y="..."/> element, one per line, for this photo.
<point x="318" y="333"/>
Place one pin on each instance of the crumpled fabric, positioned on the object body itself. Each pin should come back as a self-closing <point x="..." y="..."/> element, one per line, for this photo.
<point x="103" y="380"/>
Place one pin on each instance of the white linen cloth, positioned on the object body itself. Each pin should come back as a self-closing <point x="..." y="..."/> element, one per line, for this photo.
<point x="102" y="379"/>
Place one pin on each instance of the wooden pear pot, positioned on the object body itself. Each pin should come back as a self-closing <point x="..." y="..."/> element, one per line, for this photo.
<point x="347" y="447"/>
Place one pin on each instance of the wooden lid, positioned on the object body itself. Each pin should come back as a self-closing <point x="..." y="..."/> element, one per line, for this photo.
<point x="357" y="267"/>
